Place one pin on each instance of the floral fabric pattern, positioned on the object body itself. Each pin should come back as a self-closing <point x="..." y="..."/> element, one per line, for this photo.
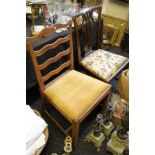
<point x="103" y="63"/>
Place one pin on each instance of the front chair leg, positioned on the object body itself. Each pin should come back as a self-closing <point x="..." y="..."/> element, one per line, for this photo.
<point x="75" y="133"/>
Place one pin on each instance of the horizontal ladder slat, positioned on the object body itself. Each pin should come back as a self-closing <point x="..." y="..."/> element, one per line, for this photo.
<point x="56" y="71"/>
<point x="54" y="59"/>
<point x="51" y="46"/>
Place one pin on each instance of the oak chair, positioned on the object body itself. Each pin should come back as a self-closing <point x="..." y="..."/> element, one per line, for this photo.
<point x="72" y="93"/>
<point x="99" y="63"/>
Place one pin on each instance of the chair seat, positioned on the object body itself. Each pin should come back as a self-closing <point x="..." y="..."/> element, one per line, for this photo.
<point x="103" y="63"/>
<point x="74" y="93"/>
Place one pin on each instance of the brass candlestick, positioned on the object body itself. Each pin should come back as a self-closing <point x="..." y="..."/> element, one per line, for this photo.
<point x="116" y="145"/>
<point x="107" y="124"/>
<point x="96" y="136"/>
<point x="119" y="139"/>
<point x="68" y="145"/>
<point x="122" y="131"/>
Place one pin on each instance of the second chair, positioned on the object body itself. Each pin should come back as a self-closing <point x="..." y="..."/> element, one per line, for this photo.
<point x="99" y="63"/>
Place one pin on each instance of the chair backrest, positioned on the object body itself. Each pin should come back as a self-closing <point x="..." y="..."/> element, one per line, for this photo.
<point x="92" y="15"/>
<point x="90" y="19"/>
<point x="81" y="33"/>
<point x="47" y="49"/>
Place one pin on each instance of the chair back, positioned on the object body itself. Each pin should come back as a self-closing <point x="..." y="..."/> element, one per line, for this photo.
<point x="81" y="34"/>
<point x="93" y="16"/>
<point x="47" y="49"/>
<point x="85" y="24"/>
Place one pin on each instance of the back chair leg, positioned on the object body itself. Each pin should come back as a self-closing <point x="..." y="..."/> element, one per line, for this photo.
<point x="105" y="102"/>
<point x="44" y="104"/>
<point x="75" y="133"/>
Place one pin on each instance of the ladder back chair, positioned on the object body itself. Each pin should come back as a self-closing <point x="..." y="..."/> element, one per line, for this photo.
<point x="72" y="93"/>
<point x="101" y="64"/>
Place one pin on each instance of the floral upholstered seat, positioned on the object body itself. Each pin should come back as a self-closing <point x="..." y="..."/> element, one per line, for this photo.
<point x="103" y="63"/>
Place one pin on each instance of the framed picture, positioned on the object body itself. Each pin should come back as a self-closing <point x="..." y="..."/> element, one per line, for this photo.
<point x="110" y="33"/>
<point x="117" y="25"/>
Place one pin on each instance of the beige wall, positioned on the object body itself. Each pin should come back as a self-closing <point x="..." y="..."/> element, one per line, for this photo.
<point x="116" y="8"/>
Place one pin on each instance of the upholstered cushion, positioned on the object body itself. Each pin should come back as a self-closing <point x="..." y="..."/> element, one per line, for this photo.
<point x="74" y="93"/>
<point x="103" y="63"/>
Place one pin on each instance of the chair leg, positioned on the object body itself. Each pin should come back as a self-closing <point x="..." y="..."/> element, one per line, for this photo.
<point x="105" y="104"/>
<point x="75" y="133"/>
<point x="44" y="103"/>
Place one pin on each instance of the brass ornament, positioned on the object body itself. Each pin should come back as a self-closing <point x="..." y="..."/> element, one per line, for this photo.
<point x="96" y="135"/>
<point x="119" y="141"/>
<point x="68" y="145"/>
<point x="107" y="124"/>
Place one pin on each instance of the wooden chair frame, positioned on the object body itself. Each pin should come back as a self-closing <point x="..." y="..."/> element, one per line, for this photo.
<point x="34" y="54"/>
<point x="86" y="24"/>
<point x="42" y="79"/>
<point x="88" y="21"/>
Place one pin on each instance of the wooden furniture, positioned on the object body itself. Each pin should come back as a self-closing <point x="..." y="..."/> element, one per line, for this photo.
<point x="99" y="63"/>
<point x="31" y="79"/>
<point x="72" y="93"/>
<point x="87" y="23"/>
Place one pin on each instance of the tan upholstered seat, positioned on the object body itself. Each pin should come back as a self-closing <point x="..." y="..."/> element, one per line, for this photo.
<point x="74" y="93"/>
